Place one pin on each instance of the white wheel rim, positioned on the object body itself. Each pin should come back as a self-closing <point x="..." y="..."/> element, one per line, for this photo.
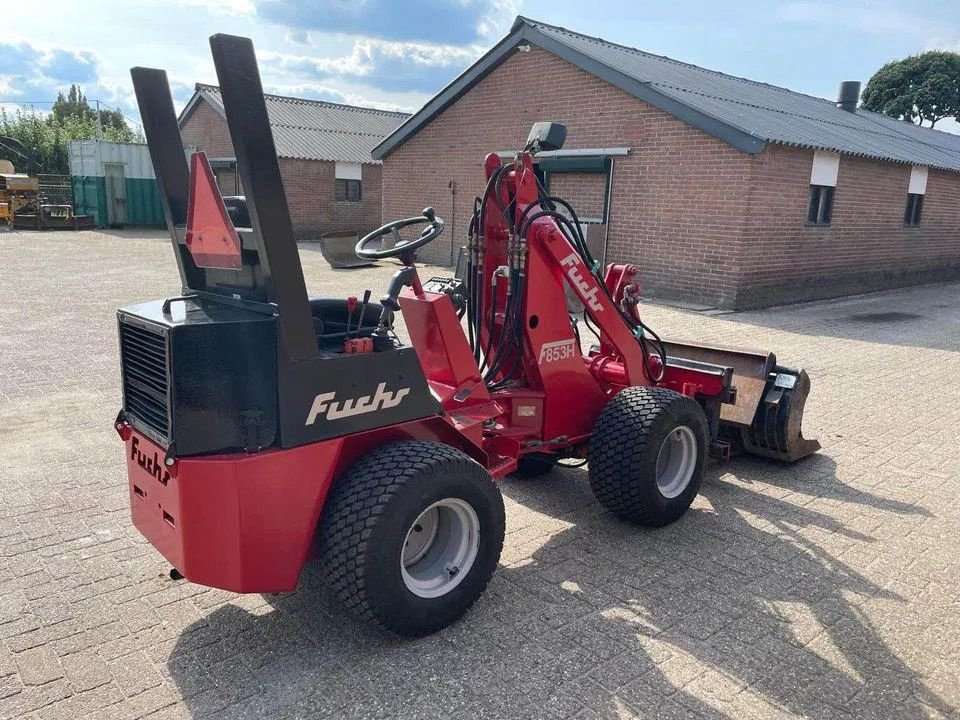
<point x="676" y="461"/>
<point x="440" y="548"/>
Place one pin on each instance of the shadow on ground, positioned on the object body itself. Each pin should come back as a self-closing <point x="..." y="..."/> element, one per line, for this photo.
<point x="733" y="611"/>
<point x="927" y="317"/>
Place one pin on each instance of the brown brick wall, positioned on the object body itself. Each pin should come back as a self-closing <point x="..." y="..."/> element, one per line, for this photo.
<point x="206" y="130"/>
<point x="309" y="184"/>
<point x="865" y="248"/>
<point x="703" y="221"/>
<point x="228" y="182"/>
<point x="672" y="169"/>
<point x="585" y="191"/>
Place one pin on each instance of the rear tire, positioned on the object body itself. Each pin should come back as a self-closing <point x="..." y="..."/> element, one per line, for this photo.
<point x="411" y="535"/>
<point x="647" y="455"/>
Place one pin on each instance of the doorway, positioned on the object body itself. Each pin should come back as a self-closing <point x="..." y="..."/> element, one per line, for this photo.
<point x="116" y="185"/>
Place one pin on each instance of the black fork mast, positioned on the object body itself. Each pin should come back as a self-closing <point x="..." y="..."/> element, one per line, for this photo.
<point x="249" y="125"/>
<point x="246" y="111"/>
<point x="169" y="163"/>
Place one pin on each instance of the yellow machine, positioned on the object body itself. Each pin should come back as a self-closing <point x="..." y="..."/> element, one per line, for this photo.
<point x="18" y="193"/>
<point x="26" y="205"/>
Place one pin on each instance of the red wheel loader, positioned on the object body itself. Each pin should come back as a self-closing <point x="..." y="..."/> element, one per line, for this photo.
<point x="264" y="427"/>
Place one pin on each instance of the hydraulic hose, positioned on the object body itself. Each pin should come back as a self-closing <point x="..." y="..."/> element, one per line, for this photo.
<point x="478" y="274"/>
<point x="572" y="229"/>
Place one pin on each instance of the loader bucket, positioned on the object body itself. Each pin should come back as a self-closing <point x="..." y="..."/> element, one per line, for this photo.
<point x="766" y="415"/>
<point x="338" y="250"/>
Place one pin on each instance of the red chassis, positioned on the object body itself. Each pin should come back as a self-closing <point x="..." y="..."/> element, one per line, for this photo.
<point x="246" y="522"/>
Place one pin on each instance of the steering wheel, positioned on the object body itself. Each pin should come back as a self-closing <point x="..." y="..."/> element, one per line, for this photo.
<point x="401" y="246"/>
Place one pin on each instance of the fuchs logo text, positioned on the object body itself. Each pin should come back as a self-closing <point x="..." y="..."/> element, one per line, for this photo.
<point x="573" y="264"/>
<point x="323" y="404"/>
<point x="153" y="465"/>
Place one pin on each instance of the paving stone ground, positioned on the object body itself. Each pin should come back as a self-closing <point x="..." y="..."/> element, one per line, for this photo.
<point x="829" y="589"/>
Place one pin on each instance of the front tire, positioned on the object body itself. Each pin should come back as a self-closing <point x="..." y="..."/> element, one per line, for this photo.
<point x="411" y="535"/>
<point x="647" y="455"/>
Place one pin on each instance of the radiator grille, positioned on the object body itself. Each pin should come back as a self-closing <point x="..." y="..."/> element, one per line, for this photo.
<point x="145" y="379"/>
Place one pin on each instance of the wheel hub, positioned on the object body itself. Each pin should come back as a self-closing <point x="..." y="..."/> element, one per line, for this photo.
<point x="440" y="548"/>
<point x="676" y="461"/>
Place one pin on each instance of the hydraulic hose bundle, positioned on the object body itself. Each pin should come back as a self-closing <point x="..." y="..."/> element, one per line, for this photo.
<point x="504" y="359"/>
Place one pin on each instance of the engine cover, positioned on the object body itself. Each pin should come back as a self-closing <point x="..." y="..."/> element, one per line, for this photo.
<point x="200" y="377"/>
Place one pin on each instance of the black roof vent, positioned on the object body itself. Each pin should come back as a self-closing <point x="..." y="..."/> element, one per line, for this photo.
<point x="849" y="95"/>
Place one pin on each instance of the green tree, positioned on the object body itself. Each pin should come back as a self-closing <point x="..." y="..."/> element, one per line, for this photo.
<point x="74" y="105"/>
<point x="924" y="87"/>
<point x="47" y="136"/>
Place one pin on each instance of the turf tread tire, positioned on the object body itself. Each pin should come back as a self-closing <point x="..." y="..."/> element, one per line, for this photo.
<point x="623" y="453"/>
<point x="362" y="505"/>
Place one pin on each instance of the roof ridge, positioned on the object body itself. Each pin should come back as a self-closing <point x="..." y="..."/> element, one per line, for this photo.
<point x="535" y="23"/>
<point x="873" y="117"/>
<point x="878" y="130"/>
<point x="325" y="130"/>
<point x="764" y="107"/>
<point x="293" y="99"/>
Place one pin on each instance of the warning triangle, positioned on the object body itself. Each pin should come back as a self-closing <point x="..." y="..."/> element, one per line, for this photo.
<point x="211" y="238"/>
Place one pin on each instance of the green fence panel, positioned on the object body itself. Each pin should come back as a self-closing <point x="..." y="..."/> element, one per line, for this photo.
<point x="90" y="197"/>
<point x="143" y="203"/>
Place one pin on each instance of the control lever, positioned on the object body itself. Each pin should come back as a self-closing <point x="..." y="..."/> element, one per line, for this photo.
<point x="363" y="309"/>
<point x="351" y="306"/>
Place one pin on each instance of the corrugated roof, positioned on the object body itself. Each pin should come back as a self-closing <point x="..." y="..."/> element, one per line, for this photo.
<point x="317" y="130"/>
<point x="744" y="113"/>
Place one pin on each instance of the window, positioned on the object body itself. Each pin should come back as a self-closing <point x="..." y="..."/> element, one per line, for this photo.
<point x="347" y="190"/>
<point x="914" y="208"/>
<point x="823" y="180"/>
<point x="347" y="182"/>
<point x="820" y="210"/>
<point x="915" y="192"/>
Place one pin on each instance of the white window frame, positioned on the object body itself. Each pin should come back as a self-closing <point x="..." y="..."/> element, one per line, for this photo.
<point x="826" y="167"/>
<point x="918" y="180"/>
<point x="348" y="171"/>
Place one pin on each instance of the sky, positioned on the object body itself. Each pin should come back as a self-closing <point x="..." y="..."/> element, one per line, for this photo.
<point x="397" y="54"/>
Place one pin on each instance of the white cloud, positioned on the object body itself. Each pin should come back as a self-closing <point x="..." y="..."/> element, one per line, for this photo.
<point x="870" y="16"/>
<point x="331" y="94"/>
<point x="231" y="7"/>
<point x="400" y="66"/>
<point x="361" y="60"/>
<point x="11" y="109"/>
<point x="435" y="21"/>
<point x="497" y="20"/>
<point x="949" y="125"/>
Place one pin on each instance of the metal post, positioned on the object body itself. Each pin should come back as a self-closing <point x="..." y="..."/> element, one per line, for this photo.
<point x="606" y="213"/>
<point x="99" y="124"/>
<point x="453" y="217"/>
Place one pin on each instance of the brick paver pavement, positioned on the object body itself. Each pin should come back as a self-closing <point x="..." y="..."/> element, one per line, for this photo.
<point x="826" y="589"/>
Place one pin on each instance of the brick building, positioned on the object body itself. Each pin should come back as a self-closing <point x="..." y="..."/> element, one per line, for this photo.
<point x="332" y="183"/>
<point x="722" y="190"/>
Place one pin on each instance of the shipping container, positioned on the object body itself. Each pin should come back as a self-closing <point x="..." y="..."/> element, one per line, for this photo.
<point x="114" y="182"/>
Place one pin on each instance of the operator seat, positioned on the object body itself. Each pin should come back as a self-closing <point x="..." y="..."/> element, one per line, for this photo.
<point x="330" y="319"/>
